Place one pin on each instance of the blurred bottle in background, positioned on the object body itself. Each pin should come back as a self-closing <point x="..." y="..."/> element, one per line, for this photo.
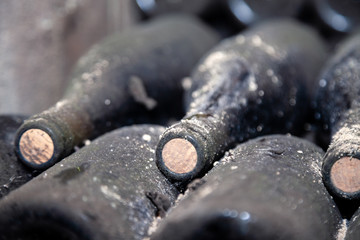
<point x="248" y="12"/>
<point x="156" y="7"/>
<point x="215" y="13"/>
<point x="342" y="16"/>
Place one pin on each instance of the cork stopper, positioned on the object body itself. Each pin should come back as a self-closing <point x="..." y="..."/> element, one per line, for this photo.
<point x="179" y="155"/>
<point x="345" y="174"/>
<point x="36" y="146"/>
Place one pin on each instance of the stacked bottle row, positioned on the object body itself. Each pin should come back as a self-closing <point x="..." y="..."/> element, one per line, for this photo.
<point x="266" y="188"/>
<point x="129" y="78"/>
<point x="259" y="82"/>
<point x="341" y="16"/>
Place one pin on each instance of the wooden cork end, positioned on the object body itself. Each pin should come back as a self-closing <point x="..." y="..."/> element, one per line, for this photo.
<point x="36" y="146"/>
<point x="345" y="174"/>
<point x="179" y="155"/>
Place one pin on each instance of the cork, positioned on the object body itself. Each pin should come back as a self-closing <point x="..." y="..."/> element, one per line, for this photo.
<point x="345" y="174"/>
<point x="36" y="146"/>
<point x="179" y="156"/>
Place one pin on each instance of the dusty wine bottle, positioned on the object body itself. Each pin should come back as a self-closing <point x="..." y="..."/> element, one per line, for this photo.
<point x="110" y="189"/>
<point x="248" y="12"/>
<point x="267" y="188"/>
<point x="125" y="78"/>
<point x="252" y="84"/>
<point x="338" y="107"/>
<point x="13" y="174"/>
<point x="342" y="16"/>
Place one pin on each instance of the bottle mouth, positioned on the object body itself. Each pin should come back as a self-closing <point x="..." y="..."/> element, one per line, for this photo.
<point x="345" y="176"/>
<point x="36" y="146"/>
<point x="179" y="156"/>
<point x="188" y="149"/>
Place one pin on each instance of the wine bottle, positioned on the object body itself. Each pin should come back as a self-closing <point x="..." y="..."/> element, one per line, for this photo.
<point x="125" y="79"/>
<point x="255" y="83"/>
<point x="109" y="189"/>
<point x="342" y="16"/>
<point x="338" y="108"/>
<point x="13" y="174"/>
<point x="156" y="7"/>
<point x="248" y="12"/>
<point x="267" y="188"/>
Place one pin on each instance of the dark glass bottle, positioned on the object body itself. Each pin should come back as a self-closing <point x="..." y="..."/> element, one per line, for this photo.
<point x="156" y="7"/>
<point x="252" y="84"/>
<point x="342" y="16"/>
<point x="338" y="108"/>
<point x="267" y="188"/>
<point x="127" y="78"/>
<point x="248" y="12"/>
<point x="110" y="189"/>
